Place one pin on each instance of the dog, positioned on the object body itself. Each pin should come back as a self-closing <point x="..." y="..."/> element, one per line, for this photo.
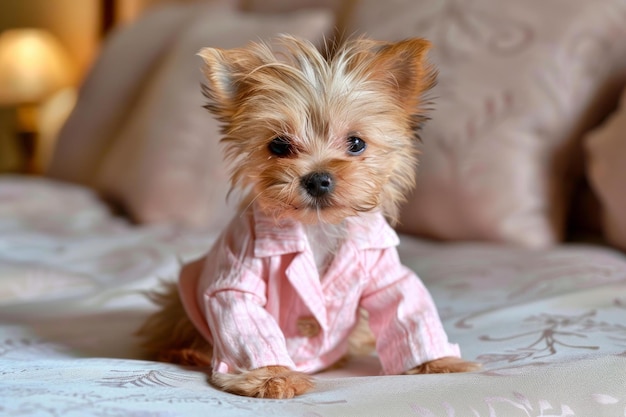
<point x="324" y="146"/>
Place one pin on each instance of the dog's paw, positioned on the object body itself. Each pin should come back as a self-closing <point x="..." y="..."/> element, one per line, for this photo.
<point x="268" y="382"/>
<point x="446" y="365"/>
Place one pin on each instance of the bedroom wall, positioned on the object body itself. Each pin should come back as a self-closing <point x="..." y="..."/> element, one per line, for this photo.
<point x="75" y="23"/>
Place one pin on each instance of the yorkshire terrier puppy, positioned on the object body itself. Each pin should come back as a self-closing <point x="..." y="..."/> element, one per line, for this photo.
<point x="324" y="145"/>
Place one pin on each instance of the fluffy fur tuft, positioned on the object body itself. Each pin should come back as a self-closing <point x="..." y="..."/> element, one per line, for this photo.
<point x="445" y="365"/>
<point x="168" y="335"/>
<point x="269" y="382"/>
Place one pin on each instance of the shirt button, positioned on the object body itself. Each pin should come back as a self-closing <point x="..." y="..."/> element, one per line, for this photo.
<point x="308" y="326"/>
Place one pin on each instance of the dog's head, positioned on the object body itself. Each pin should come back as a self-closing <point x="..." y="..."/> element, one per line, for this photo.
<point x="319" y="138"/>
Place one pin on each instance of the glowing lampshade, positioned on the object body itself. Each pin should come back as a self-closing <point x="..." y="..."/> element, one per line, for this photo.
<point x="33" y="65"/>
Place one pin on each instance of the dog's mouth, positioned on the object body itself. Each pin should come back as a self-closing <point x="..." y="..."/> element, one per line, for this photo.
<point x="320" y="203"/>
<point x="314" y="207"/>
<point x="329" y="205"/>
<point x="330" y="212"/>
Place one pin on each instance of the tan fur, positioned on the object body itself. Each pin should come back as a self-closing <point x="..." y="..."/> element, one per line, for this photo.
<point x="268" y="382"/>
<point x="445" y="365"/>
<point x="168" y="335"/>
<point x="362" y="341"/>
<point x="366" y="89"/>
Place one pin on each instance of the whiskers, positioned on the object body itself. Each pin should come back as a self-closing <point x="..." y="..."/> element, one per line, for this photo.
<point x="249" y="201"/>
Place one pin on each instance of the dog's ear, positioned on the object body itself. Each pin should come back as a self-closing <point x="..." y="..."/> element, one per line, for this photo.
<point x="403" y="66"/>
<point x="224" y="70"/>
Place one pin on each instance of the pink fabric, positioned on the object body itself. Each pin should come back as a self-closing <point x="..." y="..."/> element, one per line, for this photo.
<point x="260" y="279"/>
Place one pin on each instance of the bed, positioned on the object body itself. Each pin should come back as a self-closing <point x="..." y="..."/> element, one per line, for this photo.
<point x="526" y="110"/>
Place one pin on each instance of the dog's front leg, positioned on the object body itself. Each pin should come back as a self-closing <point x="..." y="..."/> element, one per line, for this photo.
<point x="277" y="382"/>
<point x="445" y="365"/>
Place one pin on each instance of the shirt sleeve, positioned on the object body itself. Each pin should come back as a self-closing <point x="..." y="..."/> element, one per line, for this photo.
<point x="403" y="316"/>
<point x="245" y="335"/>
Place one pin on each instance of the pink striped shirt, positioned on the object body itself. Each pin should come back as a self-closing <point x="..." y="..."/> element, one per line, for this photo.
<point x="260" y="280"/>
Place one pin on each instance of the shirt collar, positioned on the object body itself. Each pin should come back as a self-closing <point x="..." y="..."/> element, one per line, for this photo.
<point x="281" y="236"/>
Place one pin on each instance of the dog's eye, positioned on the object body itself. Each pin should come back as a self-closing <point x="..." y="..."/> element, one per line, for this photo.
<point x="281" y="146"/>
<point x="356" y="145"/>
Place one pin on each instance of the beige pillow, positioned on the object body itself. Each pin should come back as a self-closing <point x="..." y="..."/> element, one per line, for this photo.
<point x="519" y="83"/>
<point x="606" y="168"/>
<point x="109" y="90"/>
<point x="166" y="163"/>
<point x="282" y="6"/>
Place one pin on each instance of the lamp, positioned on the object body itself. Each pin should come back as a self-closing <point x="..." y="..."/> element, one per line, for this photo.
<point x="33" y="66"/>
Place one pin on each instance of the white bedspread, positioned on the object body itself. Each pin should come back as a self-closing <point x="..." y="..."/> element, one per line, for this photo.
<point x="549" y="326"/>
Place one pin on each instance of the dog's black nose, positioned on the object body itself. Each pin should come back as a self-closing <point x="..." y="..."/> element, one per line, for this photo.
<point x="318" y="184"/>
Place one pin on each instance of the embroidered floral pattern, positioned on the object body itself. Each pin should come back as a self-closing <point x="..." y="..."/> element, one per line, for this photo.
<point x="462" y="28"/>
<point x="517" y="404"/>
<point x="552" y="332"/>
<point x="144" y="379"/>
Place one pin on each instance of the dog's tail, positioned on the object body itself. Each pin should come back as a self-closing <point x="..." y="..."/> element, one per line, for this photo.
<point x="169" y="336"/>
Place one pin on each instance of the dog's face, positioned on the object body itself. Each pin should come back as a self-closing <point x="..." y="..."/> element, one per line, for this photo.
<point x="318" y="139"/>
